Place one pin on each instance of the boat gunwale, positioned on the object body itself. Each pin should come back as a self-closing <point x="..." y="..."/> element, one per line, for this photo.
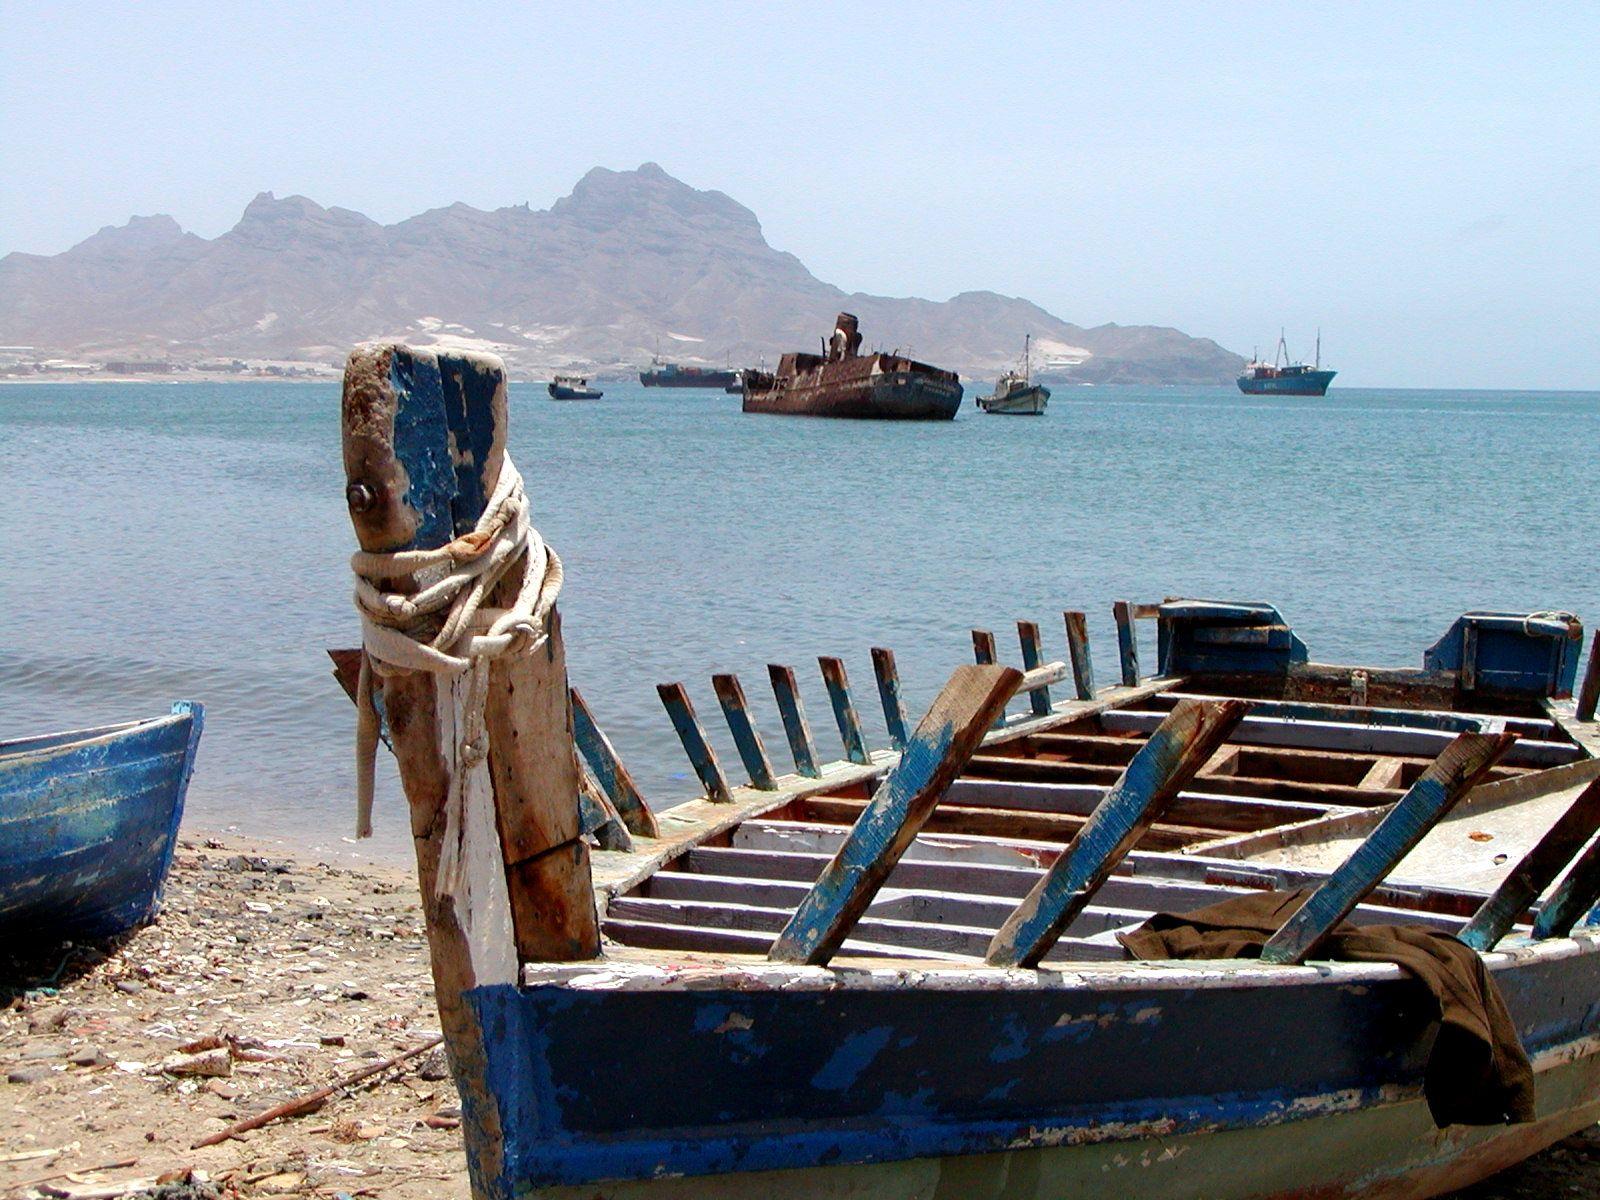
<point x="18" y="750"/>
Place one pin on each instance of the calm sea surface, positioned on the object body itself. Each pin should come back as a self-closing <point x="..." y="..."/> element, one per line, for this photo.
<point x="188" y="541"/>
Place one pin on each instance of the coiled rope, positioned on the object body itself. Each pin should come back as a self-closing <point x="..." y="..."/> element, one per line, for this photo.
<point x="455" y="579"/>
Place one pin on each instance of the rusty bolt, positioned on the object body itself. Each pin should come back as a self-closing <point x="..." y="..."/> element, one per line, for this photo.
<point x="360" y="497"/>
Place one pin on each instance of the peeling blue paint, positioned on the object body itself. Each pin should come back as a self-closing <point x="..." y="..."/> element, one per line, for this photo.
<point x="853" y="1056"/>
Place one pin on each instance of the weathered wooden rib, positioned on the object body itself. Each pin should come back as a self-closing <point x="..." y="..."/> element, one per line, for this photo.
<point x="894" y="713"/>
<point x="1461" y="765"/>
<point x="614" y="779"/>
<point x="795" y="727"/>
<point x="1078" y="647"/>
<point x="844" y="709"/>
<point x="693" y="738"/>
<point x="736" y="711"/>
<point x="1167" y="762"/>
<point x="935" y="754"/>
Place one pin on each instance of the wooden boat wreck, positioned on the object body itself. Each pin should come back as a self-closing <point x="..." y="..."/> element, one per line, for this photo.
<point x="88" y="823"/>
<point x="899" y="974"/>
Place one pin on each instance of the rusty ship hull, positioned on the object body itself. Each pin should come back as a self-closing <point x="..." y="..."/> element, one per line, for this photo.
<point x="886" y="396"/>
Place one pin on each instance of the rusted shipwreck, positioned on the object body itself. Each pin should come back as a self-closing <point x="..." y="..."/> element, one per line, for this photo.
<point x="843" y="382"/>
<point x="898" y="974"/>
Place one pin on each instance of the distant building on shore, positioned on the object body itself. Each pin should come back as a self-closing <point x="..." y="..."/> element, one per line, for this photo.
<point x="139" y="367"/>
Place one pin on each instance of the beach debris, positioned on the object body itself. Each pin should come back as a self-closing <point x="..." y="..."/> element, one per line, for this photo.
<point x="312" y="1101"/>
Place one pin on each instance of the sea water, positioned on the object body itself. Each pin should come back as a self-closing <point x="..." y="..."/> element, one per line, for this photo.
<point x="189" y="541"/>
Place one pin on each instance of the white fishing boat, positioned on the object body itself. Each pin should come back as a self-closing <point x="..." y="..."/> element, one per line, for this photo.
<point x="1016" y="394"/>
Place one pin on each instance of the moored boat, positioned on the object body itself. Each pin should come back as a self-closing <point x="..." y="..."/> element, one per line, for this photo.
<point x="1016" y="394"/>
<point x="88" y="822"/>
<point x="909" y="971"/>
<point x="843" y="382"/>
<point x="1280" y="377"/>
<point x="573" y="387"/>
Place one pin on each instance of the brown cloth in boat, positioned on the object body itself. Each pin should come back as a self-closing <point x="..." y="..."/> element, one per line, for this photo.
<point x="1477" y="1073"/>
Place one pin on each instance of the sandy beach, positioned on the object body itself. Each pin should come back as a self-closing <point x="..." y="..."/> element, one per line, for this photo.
<point x="269" y="975"/>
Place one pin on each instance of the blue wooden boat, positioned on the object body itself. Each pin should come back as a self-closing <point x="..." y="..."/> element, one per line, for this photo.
<point x="898" y="974"/>
<point x="88" y="822"/>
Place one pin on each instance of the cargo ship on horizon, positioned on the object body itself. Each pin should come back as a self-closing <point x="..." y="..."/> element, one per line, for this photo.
<point x="675" y="375"/>
<point x="843" y="382"/>
<point x="1281" y="377"/>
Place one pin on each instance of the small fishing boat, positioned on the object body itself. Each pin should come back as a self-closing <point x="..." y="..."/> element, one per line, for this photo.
<point x="913" y="970"/>
<point x="1016" y="394"/>
<point x="573" y="387"/>
<point x="88" y="821"/>
<point x="1280" y="377"/>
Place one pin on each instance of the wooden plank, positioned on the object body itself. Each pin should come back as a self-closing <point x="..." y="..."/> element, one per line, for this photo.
<point x="609" y="773"/>
<point x="1357" y="739"/>
<point x="983" y="653"/>
<point x="597" y="816"/>
<point x="1384" y="773"/>
<point x="1161" y="769"/>
<point x="1584" y="734"/>
<point x="1405" y="718"/>
<point x="1127" y="642"/>
<point x="894" y="713"/>
<point x="1537" y="871"/>
<point x="701" y="756"/>
<point x="1032" y="825"/>
<point x="746" y="739"/>
<point x="1452" y="775"/>
<point x="844" y="710"/>
<point x="1032" y="659"/>
<point x="795" y="726"/>
<point x="944" y="739"/>
<point x="1589" y="690"/>
<point x="1078" y="649"/>
<point x="1573" y="898"/>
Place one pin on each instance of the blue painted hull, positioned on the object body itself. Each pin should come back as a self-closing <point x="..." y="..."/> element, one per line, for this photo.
<point x="1307" y="383"/>
<point x="88" y="821"/>
<point x="706" y="1080"/>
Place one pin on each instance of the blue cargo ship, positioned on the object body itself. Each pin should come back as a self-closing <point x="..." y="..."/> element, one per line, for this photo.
<point x="1280" y="377"/>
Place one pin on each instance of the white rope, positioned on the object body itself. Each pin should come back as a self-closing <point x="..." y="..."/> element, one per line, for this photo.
<point x="455" y="579"/>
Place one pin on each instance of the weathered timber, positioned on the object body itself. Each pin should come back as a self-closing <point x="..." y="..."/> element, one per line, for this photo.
<point x="1589" y="692"/>
<point x="1574" y="896"/>
<point x="746" y="739"/>
<point x="423" y="443"/>
<point x="1163" y="767"/>
<point x="844" y="710"/>
<point x="701" y="756"/>
<point x="1537" y="871"/>
<point x="609" y="773"/>
<point x="1078" y="650"/>
<point x="1127" y="642"/>
<point x="795" y="726"/>
<point x="894" y="713"/>
<point x="1452" y="775"/>
<point x="984" y="654"/>
<point x="1032" y="659"/>
<point x="598" y="817"/>
<point x="938" y="749"/>
<point x="1469" y="655"/>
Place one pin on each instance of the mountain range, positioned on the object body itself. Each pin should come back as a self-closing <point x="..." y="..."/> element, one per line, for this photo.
<point x="631" y="263"/>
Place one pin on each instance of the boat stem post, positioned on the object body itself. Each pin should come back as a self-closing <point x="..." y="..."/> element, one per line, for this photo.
<point x="613" y="778"/>
<point x="1127" y="642"/>
<point x="1161" y="769"/>
<point x="701" y="756"/>
<point x="936" y="753"/>
<point x="844" y="710"/>
<point x="795" y="726"/>
<point x="745" y="736"/>
<point x="1462" y="763"/>
<point x="504" y="872"/>
<point x="894" y="713"/>
<point x="1537" y="870"/>
<point x="1589" y="692"/>
<point x="1078" y="648"/>
<point x="1032" y="659"/>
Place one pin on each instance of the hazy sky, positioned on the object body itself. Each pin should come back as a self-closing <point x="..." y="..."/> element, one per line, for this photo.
<point x="1421" y="181"/>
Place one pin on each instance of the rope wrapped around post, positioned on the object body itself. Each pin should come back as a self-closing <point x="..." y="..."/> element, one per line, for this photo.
<point x="454" y="579"/>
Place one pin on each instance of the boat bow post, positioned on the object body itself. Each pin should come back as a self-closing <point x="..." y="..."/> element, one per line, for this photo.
<point x="486" y="755"/>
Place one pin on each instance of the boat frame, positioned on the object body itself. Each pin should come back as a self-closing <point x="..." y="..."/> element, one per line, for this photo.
<point x="799" y="985"/>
